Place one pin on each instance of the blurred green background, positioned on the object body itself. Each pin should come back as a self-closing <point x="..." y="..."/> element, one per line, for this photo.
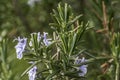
<point x="22" y="17"/>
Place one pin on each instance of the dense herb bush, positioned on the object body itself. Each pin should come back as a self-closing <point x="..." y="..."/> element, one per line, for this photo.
<point x="83" y="47"/>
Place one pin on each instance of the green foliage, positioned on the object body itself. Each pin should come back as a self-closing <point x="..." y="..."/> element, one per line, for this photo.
<point x="58" y="64"/>
<point x="93" y="34"/>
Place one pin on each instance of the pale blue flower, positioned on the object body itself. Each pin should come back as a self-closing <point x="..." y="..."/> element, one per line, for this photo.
<point x="38" y="37"/>
<point x="32" y="73"/>
<point x="32" y="2"/>
<point x="82" y="68"/>
<point x="45" y="40"/>
<point x="20" y="47"/>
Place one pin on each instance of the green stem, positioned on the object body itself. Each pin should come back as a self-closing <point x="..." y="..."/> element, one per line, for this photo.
<point x="117" y="71"/>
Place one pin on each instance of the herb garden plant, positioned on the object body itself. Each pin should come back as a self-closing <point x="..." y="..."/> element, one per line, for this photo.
<point x="63" y="55"/>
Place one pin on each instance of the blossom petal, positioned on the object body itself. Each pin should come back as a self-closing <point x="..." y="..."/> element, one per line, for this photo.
<point x="32" y="73"/>
<point x="20" y="47"/>
<point x="82" y="68"/>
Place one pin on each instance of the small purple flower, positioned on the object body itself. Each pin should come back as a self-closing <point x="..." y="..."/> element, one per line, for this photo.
<point x="20" y="47"/>
<point x="82" y="68"/>
<point x="45" y="40"/>
<point x="32" y="2"/>
<point x="32" y="73"/>
<point x="38" y="37"/>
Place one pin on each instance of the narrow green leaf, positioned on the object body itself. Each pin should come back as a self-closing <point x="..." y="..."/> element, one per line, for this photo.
<point x="51" y="75"/>
<point x="65" y="12"/>
<point x="75" y="19"/>
<point x="72" y="44"/>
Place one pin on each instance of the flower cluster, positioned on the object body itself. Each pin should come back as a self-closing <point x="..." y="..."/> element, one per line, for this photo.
<point x="20" y="47"/>
<point x="46" y="41"/>
<point x="82" y="68"/>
